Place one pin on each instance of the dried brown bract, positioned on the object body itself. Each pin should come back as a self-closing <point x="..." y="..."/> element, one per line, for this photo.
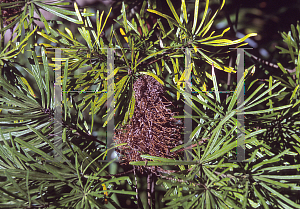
<point x="152" y="130"/>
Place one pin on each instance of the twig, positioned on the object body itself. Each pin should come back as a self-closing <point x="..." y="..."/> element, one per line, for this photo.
<point x="272" y="65"/>
<point x="148" y="190"/>
<point x="85" y="135"/>
<point x="153" y="190"/>
<point x="193" y="145"/>
<point x="136" y="189"/>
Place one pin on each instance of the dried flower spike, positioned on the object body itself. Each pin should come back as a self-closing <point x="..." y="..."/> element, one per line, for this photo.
<point x="152" y="129"/>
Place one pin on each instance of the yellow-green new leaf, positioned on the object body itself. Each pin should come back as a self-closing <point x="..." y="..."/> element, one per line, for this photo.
<point x="294" y="93"/>
<point x="174" y="11"/>
<point x="196" y="15"/>
<point x="69" y="32"/>
<point x="47" y="37"/>
<point x="227" y="42"/>
<point x="28" y="86"/>
<point x="183" y="7"/>
<point x="168" y="18"/>
<point x="154" y="76"/>
<point x="78" y="13"/>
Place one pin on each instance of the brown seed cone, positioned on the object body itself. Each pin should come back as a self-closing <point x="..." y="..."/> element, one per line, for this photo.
<point x="152" y="129"/>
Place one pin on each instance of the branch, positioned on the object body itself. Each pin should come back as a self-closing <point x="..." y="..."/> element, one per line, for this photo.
<point x="150" y="190"/>
<point x="271" y="64"/>
<point x="193" y="145"/>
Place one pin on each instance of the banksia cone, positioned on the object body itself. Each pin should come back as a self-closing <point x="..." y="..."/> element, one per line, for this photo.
<point x="152" y="129"/>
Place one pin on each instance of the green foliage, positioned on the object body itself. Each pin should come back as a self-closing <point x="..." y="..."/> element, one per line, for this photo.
<point x="37" y="171"/>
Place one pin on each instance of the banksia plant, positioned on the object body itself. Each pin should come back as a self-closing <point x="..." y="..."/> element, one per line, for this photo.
<point x="60" y="162"/>
<point x="152" y="130"/>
